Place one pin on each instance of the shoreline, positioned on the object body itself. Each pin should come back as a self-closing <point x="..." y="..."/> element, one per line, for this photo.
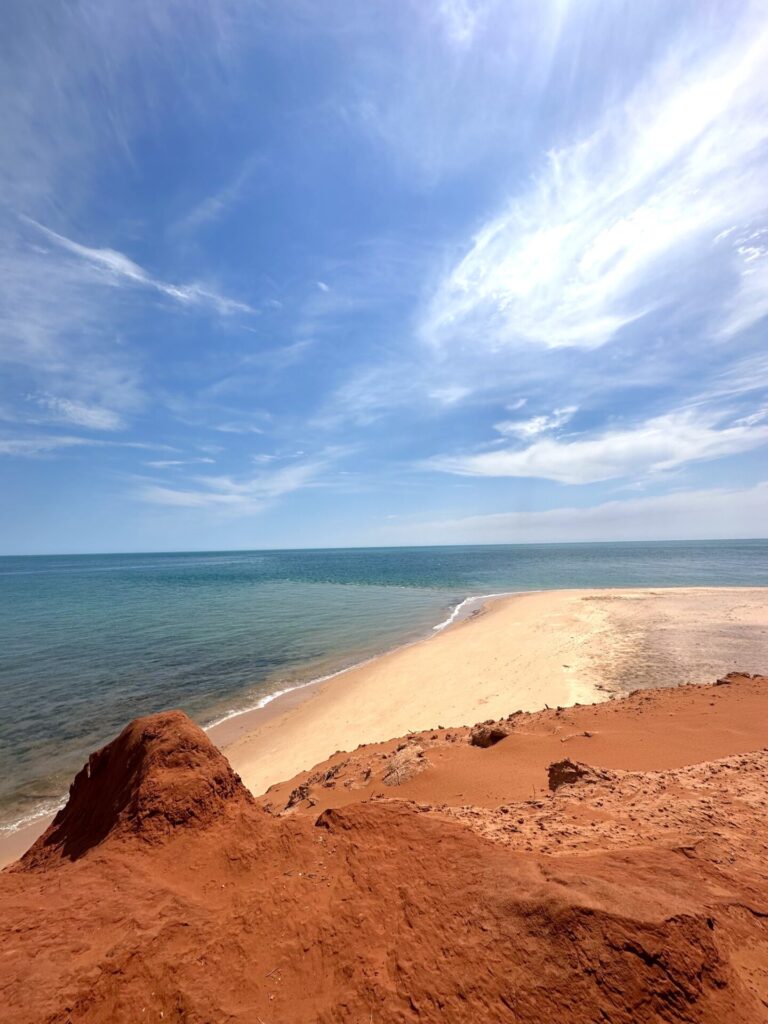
<point x="453" y="619"/>
<point x="278" y="737"/>
<point x="18" y="836"/>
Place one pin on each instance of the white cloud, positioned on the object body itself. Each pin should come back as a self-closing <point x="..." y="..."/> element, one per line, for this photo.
<point x="215" y="206"/>
<point x="619" y="221"/>
<point x="119" y="269"/>
<point x="323" y="286"/>
<point x="48" y="444"/>
<point x="749" y="304"/>
<point x="526" y="429"/>
<point x="458" y="84"/>
<point x="93" y="417"/>
<point x="459" y="20"/>
<point x="240" y="496"/>
<point x="81" y="86"/>
<point x="31" y="446"/>
<point x="451" y="394"/>
<point x="702" y="514"/>
<point x="80" y="83"/>
<point x="156" y="495"/>
<point x="368" y="394"/>
<point x="56" y="334"/>
<point x="239" y="428"/>
<point x="61" y="331"/>
<point x="658" y="444"/>
<point x="168" y="463"/>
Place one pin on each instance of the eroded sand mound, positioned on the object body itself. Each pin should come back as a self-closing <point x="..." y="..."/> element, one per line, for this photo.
<point x="163" y="892"/>
<point x="161" y="773"/>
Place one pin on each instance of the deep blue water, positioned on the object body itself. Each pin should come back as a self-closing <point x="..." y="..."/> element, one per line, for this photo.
<point x="89" y="642"/>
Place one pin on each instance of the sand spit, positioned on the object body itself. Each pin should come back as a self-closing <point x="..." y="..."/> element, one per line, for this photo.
<point x="627" y="884"/>
<point x="526" y="651"/>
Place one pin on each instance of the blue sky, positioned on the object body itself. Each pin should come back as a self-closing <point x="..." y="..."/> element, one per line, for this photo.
<point x="321" y="273"/>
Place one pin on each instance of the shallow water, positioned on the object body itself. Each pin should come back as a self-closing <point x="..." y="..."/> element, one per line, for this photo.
<point x="89" y="642"/>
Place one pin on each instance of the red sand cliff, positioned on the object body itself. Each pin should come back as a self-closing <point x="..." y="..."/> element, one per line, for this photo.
<point x="441" y="881"/>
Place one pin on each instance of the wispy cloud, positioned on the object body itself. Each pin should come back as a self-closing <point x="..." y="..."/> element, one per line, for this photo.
<point x="459" y="20"/>
<point x="619" y="221"/>
<point x="215" y="206"/>
<point x="84" y="86"/>
<point x="749" y="303"/>
<point x="82" y="80"/>
<point x="64" y="335"/>
<point x="94" y="417"/>
<point x="239" y="428"/>
<point x="462" y="72"/>
<point x="371" y="393"/>
<point x="29" y="447"/>
<point x="56" y="331"/>
<point x="242" y="496"/>
<point x="117" y="269"/>
<point x="654" y="446"/>
<point x="170" y="463"/>
<point x="535" y="425"/>
<point x="450" y="394"/>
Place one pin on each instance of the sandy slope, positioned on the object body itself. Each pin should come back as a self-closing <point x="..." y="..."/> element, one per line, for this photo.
<point x="649" y="730"/>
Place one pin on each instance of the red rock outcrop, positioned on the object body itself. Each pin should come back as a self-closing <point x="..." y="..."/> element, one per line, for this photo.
<point x="164" y="892"/>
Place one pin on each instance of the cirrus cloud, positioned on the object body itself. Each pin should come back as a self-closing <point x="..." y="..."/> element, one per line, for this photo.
<point x="536" y="425"/>
<point x="241" y="496"/>
<point x="117" y="268"/>
<point x="656" y="445"/>
<point x="621" y="219"/>
<point x="94" y="417"/>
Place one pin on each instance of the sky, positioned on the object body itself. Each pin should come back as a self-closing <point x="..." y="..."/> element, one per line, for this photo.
<point x="395" y="272"/>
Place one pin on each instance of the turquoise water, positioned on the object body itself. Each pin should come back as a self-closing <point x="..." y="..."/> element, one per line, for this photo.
<point x="89" y="642"/>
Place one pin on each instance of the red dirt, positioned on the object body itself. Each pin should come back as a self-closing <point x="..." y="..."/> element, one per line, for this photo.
<point x="164" y="892"/>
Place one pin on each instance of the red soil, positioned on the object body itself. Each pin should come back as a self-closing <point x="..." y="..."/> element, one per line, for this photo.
<point x="165" y="892"/>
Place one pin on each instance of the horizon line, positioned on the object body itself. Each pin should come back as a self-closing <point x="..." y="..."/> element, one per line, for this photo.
<point x="379" y="547"/>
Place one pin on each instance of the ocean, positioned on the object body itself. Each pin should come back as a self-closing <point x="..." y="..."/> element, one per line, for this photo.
<point x="89" y="642"/>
